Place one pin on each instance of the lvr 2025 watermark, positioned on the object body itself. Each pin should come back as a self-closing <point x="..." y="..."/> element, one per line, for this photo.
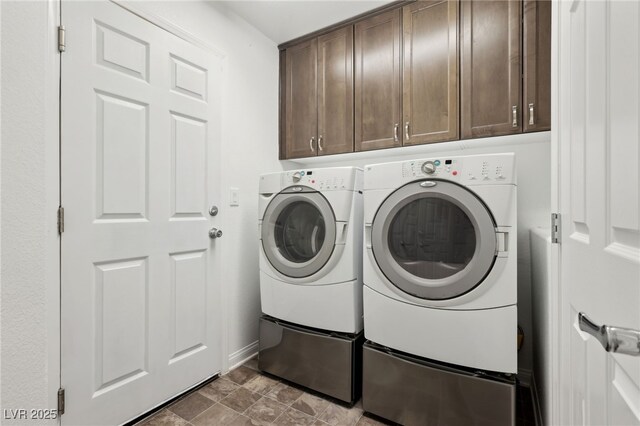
<point x="29" y="414"/>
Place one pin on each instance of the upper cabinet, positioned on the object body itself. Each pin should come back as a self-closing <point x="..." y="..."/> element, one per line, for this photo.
<point x="537" y="65"/>
<point x="377" y="82"/>
<point x="301" y="85"/>
<point x="318" y="93"/>
<point x="335" y="92"/>
<point x="418" y="72"/>
<point x="430" y="72"/>
<point x="491" y="76"/>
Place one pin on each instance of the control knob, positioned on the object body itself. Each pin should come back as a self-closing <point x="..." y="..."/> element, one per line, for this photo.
<point x="429" y="167"/>
<point x="297" y="176"/>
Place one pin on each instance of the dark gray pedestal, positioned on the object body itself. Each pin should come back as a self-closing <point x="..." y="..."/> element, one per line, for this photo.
<point x="329" y="363"/>
<point x="413" y="391"/>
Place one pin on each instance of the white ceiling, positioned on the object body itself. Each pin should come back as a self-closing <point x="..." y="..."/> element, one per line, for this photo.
<point x="285" y="20"/>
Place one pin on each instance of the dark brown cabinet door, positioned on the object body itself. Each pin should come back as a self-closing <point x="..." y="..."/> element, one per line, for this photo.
<point x="491" y="76"/>
<point x="536" y="105"/>
<point x="430" y="82"/>
<point x="301" y="100"/>
<point x="377" y="82"/>
<point x="335" y="92"/>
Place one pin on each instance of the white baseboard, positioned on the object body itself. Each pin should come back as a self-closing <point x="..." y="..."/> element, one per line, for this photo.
<point x="525" y="377"/>
<point x="242" y="355"/>
<point x="536" y="402"/>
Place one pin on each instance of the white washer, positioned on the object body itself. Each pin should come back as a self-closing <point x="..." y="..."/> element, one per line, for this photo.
<point x="311" y="244"/>
<point x="440" y="259"/>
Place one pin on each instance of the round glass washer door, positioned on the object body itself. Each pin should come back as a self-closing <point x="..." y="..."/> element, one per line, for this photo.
<point x="434" y="239"/>
<point x="298" y="232"/>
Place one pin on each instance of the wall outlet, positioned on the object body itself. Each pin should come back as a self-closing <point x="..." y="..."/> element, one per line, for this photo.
<point x="234" y="196"/>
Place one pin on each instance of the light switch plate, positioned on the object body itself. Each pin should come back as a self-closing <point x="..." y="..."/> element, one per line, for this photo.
<point x="234" y="196"/>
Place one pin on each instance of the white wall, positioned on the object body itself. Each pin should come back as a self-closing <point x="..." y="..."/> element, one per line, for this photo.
<point x="249" y="148"/>
<point x="533" y="165"/>
<point x="29" y="190"/>
<point x="542" y="294"/>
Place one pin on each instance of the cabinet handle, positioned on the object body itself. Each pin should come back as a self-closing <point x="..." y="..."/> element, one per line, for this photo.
<point x="406" y="130"/>
<point x="320" y="143"/>
<point x="395" y="132"/>
<point x="531" y="119"/>
<point x="311" y="141"/>
<point x="514" y="116"/>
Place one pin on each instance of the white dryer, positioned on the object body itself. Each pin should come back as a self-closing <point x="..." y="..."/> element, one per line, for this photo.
<point x="440" y="259"/>
<point x="310" y="255"/>
<point x="310" y="226"/>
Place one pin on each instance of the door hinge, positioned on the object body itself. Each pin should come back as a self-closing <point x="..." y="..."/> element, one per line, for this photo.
<point x="61" y="39"/>
<point x="60" y="401"/>
<point x="555" y="228"/>
<point x="60" y="220"/>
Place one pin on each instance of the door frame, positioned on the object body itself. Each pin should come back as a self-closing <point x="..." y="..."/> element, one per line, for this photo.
<point x="557" y="396"/>
<point x="53" y="172"/>
<point x="52" y="240"/>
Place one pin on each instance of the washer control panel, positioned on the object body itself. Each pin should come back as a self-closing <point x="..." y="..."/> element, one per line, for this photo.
<point x="473" y="169"/>
<point x="335" y="179"/>
<point x="449" y="168"/>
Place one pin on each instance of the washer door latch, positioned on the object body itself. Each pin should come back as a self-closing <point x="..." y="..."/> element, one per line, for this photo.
<point x="502" y="243"/>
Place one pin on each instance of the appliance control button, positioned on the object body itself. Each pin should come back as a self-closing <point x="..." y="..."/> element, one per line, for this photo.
<point x="297" y="176"/>
<point x="429" y="167"/>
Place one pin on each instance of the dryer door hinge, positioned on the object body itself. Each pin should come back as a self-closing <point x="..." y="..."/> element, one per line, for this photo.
<point x="60" y="402"/>
<point x="61" y="39"/>
<point x="60" y="220"/>
<point x="555" y="228"/>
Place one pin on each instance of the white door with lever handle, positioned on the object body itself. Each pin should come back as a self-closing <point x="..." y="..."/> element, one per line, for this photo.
<point x="140" y="136"/>
<point x="597" y="131"/>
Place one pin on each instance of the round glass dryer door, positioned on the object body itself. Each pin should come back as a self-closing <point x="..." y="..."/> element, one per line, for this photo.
<point x="298" y="232"/>
<point x="434" y="239"/>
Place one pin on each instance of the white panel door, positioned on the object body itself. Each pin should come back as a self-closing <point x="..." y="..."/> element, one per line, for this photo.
<point x="140" y="139"/>
<point x="599" y="93"/>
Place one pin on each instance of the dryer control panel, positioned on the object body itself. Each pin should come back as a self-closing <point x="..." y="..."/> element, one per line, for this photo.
<point x="328" y="179"/>
<point x="317" y="180"/>
<point x="487" y="169"/>
<point x="469" y="170"/>
<point x="450" y="168"/>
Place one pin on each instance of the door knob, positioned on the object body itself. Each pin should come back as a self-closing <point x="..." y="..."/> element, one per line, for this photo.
<point x="613" y="339"/>
<point x="215" y="233"/>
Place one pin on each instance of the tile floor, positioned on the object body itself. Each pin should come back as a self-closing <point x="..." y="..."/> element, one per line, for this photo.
<point x="244" y="396"/>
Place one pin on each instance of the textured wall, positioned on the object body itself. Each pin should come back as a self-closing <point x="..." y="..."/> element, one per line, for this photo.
<point x="28" y="190"/>
<point x="542" y="295"/>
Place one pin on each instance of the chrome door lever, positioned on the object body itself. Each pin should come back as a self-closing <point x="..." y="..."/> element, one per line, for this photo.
<point x="613" y="339"/>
